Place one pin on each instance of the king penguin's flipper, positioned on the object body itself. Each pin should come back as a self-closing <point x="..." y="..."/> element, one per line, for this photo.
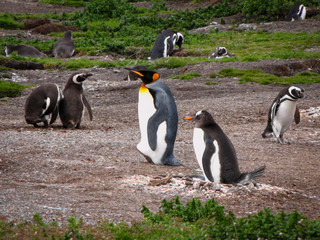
<point x="157" y="118"/>
<point x="86" y="103"/>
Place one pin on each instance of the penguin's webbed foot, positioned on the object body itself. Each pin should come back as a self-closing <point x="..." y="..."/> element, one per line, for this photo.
<point x="282" y="141"/>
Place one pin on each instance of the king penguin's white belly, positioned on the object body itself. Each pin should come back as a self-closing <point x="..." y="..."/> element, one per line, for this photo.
<point x="145" y="110"/>
<point x="284" y="117"/>
<point x="199" y="148"/>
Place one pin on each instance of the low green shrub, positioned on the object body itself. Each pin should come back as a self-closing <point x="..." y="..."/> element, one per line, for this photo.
<point x="186" y="76"/>
<point x="11" y="89"/>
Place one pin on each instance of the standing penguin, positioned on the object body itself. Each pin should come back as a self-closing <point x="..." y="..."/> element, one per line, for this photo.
<point x="297" y="12"/>
<point x="64" y="47"/>
<point x="215" y="152"/>
<point x="24" y="51"/>
<point x="282" y="112"/>
<point x="71" y="106"/>
<point x="164" y="44"/>
<point x="158" y="119"/>
<point x="42" y="103"/>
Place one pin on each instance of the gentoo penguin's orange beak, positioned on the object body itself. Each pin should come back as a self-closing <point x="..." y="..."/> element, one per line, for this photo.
<point x="189" y="118"/>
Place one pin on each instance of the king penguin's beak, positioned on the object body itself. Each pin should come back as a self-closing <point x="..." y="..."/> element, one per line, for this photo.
<point x="189" y="118"/>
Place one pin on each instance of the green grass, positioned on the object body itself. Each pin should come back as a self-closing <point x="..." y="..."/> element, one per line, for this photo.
<point x="11" y="89"/>
<point x="174" y="220"/>
<point x="73" y="3"/>
<point x="186" y="76"/>
<point x="255" y="75"/>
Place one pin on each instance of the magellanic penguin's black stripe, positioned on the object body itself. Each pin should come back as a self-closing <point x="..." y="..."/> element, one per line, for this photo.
<point x="207" y="155"/>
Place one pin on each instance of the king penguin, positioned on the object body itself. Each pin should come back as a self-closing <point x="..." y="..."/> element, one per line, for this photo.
<point x="216" y="154"/>
<point x="72" y="104"/>
<point x="158" y="119"/>
<point x="42" y="104"/>
<point x="64" y="47"/>
<point x="24" y="51"/>
<point x="282" y="112"/>
<point x="164" y="44"/>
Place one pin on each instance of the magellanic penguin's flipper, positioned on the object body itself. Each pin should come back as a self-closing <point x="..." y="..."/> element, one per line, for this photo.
<point x="86" y="103"/>
<point x="246" y="178"/>
<point x="54" y="115"/>
<point x="268" y="132"/>
<point x="297" y="116"/>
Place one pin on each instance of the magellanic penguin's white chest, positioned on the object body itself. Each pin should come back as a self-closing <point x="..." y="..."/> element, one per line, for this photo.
<point x="284" y="117"/>
<point x="212" y="164"/>
<point x="146" y="110"/>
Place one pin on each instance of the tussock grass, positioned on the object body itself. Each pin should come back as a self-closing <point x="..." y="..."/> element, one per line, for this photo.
<point x="11" y="89"/>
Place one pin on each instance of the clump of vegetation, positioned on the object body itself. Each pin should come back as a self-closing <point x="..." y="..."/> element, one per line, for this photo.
<point x="72" y="3"/>
<point x="175" y="220"/>
<point x="256" y="75"/>
<point x="186" y="76"/>
<point x="11" y="89"/>
<point x="9" y="21"/>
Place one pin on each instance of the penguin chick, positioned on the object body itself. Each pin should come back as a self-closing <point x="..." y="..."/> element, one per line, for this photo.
<point x="282" y="112"/>
<point x="24" y="51"/>
<point x="42" y="104"/>
<point x="158" y="119"/>
<point x="216" y="154"/>
<point x="297" y="12"/>
<point x="164" y="44"/>
<point x="64" y="47"/>
<point x="220" y="52"/>
<point x="72" y="104"/>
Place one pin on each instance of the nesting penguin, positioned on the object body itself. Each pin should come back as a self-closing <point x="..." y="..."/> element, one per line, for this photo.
<point x="164" y="44"/>
<point x="72" y="104"/>
<point x="64" y="47"/>
<point x="42" y="104"/>
<point x="23" y="51"/>
<point x="216" y="154"/>
<point x="220" y="52"/>
<point x="282" y="112"/>
<point x="297" y="12"/>
<point x="158" y="119"/>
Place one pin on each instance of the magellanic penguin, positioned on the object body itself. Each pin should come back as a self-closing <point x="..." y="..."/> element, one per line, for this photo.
<point x="158" y="119"/>
<point x="220" y="52"/>
<point x="24" y="51"/>
<point x="297" y="12"/>
<point x="282" y="112"/>
<point x="42" y="104"/>
<point x="64" y="47"/>
<point x="72" y="104"/>
<point x="164" y="44"/>
<point x="215" y="152"/>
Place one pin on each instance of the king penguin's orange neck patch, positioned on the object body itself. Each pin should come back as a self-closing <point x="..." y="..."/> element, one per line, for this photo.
<point x="143" y="88"/>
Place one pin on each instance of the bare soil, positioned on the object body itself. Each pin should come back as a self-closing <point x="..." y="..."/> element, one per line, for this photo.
<point x="96" y="172"/>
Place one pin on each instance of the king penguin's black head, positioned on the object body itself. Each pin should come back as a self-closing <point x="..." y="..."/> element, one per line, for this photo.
<point x="146" y="75"/>
<point x="202" y="119"/>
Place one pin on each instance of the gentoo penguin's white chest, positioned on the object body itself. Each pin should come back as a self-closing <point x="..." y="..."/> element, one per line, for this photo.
<point x="284" y="116"/>
<point x="146" y="110"/>
<point x="213" y="163"/>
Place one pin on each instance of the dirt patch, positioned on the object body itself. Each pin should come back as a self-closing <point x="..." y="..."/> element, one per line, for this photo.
<point x="96" y="172"/>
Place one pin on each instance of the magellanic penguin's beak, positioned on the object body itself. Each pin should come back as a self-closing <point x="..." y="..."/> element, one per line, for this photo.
<point x="87" y="74"/>
<point x="189" y="118"/>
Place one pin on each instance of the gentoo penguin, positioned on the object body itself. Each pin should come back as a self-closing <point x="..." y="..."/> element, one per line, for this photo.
<point x="132" y="76"/>
<point x="297" y="12"/>
<point x="64" y="47"/>
<point x="71" y="105"/>
<point x="42" y="103"/>
<point x="164" y="44"/>
<point x="158" y="119"/>
<point x="215" y="152"/>
<point x="282" y="112"/>
<point x="220" y="52"/>
<point x="24" y="51"/>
